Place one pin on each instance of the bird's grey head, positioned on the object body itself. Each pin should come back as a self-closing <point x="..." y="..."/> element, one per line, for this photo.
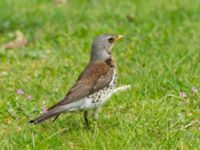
<point x="102" y="46"/>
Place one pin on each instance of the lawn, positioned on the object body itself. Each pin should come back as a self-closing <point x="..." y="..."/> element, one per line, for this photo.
<point x="159" y="57"/>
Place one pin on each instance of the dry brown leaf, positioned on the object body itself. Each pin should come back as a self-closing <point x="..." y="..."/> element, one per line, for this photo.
<point x="60" y="2"/>
<point x="130" y="18"/>
<point x="19" y="41"/>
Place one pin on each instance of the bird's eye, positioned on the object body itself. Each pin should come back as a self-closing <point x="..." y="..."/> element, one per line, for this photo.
<point x="111" y="40"/>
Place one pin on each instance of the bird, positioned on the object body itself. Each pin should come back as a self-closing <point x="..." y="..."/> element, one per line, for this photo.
<point x="94" y="85"/>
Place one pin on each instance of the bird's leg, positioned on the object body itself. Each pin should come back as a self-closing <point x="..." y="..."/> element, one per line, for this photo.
<point x="55" y="118"/>
<point x="96" y="111"/>
<point x="86" y="118"/>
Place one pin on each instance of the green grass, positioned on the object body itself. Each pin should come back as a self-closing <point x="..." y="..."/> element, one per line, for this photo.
<point x="159" y="57"/>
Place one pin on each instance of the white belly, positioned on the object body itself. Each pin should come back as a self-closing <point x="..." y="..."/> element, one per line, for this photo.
<point x="96" y="99"/>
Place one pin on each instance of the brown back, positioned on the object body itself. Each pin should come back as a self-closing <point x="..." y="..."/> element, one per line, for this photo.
<point x="95" y="76"/>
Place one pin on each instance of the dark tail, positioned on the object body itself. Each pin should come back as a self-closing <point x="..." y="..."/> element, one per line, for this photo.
<point x="47" y="115"/>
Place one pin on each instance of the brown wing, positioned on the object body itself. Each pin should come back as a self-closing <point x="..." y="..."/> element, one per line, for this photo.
<point x="94" y="77"/>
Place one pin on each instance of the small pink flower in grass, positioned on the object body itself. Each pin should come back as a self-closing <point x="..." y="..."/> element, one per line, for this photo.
<point x="29" y="97"/>
<point x="44" y="109"/>
<point x="182" y="95"/>
<point x="194" y="90"/>
<point x="20" y="92"/>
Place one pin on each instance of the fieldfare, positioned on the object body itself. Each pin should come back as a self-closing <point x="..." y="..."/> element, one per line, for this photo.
<point x="94" y="85"/>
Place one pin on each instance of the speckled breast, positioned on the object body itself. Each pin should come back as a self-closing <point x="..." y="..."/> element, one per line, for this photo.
<point x="99" y="97"/>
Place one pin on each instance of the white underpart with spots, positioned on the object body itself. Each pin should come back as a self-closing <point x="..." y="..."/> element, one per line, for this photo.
<point x="94" y="100"/>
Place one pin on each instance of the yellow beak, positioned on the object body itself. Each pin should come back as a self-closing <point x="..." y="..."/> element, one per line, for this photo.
<point x="118" y="37"/>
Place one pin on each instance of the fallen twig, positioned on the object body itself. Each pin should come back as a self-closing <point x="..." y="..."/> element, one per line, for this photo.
<point x="121" y="88"/>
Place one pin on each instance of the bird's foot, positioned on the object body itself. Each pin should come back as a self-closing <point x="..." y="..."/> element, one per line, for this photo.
<point x="86" y="120"/>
